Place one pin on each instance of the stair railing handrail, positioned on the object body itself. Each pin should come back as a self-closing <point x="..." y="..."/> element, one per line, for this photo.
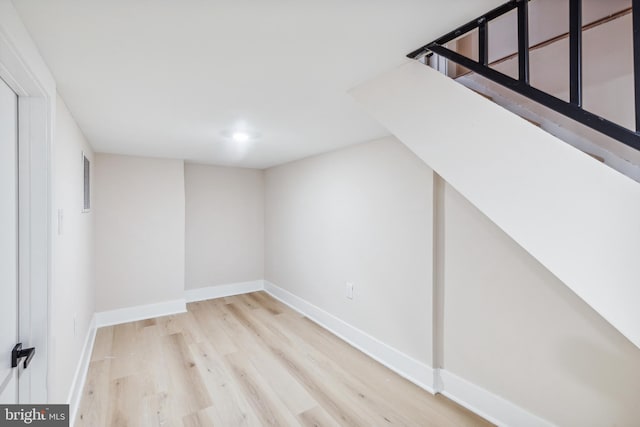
<point x="572" y="109"/>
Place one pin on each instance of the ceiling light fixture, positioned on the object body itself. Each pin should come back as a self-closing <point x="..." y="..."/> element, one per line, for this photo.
<point x="240" y="136"/>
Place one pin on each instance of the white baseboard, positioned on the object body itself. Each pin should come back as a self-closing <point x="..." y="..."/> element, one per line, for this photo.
<point x="140" y="312"/>
<point x="478" y="400"/>
<point x="80" y="376"/>
<point x="108" y="318"/>
<point x="219" y="291"/>
<point x="405" y="366"/>
<point x="493" y="408"/>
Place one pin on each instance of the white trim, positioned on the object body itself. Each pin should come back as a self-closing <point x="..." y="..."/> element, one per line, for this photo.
<point x="80" y="376"/>
<point x="22" y="67"/>
<point x="478" y="400"/>
<point x="438" y="387"/>
<point x="219" y="291"/>
<point x="140" y="312"/>
<point x="415" y="371"/>
<point x="493" y="408"/>
<point x="587" y="140"/>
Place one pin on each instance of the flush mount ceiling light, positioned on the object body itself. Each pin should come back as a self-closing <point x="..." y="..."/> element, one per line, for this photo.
<point x="240" y="136"/>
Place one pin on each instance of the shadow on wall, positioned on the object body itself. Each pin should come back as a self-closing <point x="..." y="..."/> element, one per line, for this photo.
<point x="614" y="368"/>
<point x="596" y="355"/>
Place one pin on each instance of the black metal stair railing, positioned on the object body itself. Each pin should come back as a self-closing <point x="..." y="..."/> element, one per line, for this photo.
<point x="573" y="108"/>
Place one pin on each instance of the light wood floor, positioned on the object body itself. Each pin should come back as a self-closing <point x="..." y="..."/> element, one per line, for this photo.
<point x="247" y="360"/>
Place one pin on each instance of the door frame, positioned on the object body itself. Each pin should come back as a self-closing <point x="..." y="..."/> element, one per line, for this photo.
<point x="22" y="68"/>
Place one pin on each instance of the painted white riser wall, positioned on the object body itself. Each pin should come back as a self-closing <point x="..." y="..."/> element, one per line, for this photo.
<point x="576" y="216"/>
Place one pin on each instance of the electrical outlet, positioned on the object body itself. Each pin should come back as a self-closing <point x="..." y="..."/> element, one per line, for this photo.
<point x="349" y="290"/>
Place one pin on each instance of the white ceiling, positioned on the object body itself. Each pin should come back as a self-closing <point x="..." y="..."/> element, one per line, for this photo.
<point x="169" y="78"/>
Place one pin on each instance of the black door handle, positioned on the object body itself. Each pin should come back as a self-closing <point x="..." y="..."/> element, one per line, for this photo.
<point x="18" y="353"/>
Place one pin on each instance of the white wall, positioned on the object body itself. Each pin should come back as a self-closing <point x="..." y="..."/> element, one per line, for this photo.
<point x="224" y="225"/>
<point x="553" y="222"/>
<point x="73" y="290"/>
<point x="513" y="328"/>
<point x="362" y="215"/>
<point x="23" y="68"/>
<point x="576" y="216"/>
<point x="139" y="213"/>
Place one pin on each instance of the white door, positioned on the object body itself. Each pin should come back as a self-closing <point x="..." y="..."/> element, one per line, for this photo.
<point x="8" y="241"/>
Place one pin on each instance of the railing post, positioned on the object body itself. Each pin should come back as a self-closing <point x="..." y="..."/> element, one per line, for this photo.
<point x="523" y="40"/>
<point x="483" y="41"/>
<point x="575" y="52"/>
<point x="636" y="59"/>
<point x="572" y="109"/>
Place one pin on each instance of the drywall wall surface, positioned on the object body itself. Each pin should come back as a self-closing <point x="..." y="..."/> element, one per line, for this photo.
<point x="513" y="328"/>
<point x="362" y="215"/>
<point x="139" y="214"/>
<point x="224" y="225"/>
<point x="25" y="71"/>
<point x="73" y="289"/>
<point x="576" y="216"/>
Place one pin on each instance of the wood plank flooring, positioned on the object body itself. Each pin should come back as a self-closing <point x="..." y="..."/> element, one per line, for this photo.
<point x="247" y="360"/>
